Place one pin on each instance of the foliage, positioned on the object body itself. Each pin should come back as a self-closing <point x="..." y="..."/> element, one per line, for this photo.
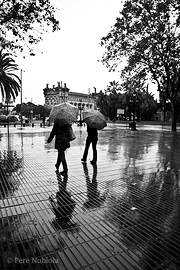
<point x="113" y="87"/>
<point x="147" y="105"/>
<point x="114" y="98"/>
<point x="28" y="107"/>
<point x="111" y="100"/>
<point x="9" y="82"/>
<point x="102" y="103"/>
<point x="147" y="33"/>
<point x="22" y="22"/>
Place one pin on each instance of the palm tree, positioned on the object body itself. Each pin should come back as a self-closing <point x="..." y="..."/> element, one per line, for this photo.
<point x="102" y="103"/>
<point x="113" y="87"/>
<point x="10" y="83"/>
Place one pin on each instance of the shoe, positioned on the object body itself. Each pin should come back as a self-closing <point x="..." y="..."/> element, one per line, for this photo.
<point x="93" y="162"/>
<point x="57" y="168"/>
<point x="83" y="161"/>
<point x="63" y="173"/>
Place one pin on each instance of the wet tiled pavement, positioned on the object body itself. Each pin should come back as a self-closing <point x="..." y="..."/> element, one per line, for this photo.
<point x="122" y="214"/>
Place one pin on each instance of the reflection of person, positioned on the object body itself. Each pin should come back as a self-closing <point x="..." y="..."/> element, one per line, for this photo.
<point x="62" y="205"/>
<point x="61" y="133"/>
<point x="91" y="138"/>
<point x="94" y="198"/>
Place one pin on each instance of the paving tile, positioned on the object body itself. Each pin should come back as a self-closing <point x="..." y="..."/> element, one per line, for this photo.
<point x="127" y="218"/>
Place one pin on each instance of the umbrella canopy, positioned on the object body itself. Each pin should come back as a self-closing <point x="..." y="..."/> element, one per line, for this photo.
<point x="94" y="119"/>
<point x="65" y="112"/>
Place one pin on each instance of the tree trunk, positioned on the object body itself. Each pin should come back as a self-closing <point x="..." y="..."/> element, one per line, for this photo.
<point x="174" y="116"/>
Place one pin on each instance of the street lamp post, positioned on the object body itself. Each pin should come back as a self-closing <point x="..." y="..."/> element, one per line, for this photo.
<point x="21" y="98"/>
<point x="21" y="71"/>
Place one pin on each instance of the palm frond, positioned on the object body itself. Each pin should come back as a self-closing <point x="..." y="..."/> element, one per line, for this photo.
<point x="10" y="83"/>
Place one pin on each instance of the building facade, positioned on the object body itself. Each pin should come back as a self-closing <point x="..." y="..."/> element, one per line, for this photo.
<point x="60" y="93"/>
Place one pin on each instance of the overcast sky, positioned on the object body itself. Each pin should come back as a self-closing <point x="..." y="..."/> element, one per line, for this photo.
<point x="71" y="54"/>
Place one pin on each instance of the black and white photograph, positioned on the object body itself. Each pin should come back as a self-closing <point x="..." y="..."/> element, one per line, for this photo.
<point x="89" y="134"/>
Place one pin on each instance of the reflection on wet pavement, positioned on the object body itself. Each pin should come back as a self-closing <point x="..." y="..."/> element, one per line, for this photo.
<point x="94" y="199"/>
<point x="121" y="214"/>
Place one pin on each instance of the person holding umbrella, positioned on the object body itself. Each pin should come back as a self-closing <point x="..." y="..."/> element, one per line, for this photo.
<point x="91" y="138"/>
<point x="61" y="133"/>
<point x="95" y="121"/>
<point x="63" y="115"/>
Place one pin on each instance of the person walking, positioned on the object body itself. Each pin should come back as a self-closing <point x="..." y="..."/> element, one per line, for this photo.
<point x="44" y="118"/>
<point x="61" y="133"/>
<point x="92" y="138"/>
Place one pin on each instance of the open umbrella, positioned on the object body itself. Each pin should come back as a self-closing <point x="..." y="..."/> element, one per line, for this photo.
<point x="94" y="119"/>
<point x="65" y="112"/>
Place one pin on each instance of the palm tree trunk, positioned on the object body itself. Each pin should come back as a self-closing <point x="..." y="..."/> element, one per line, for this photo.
<point x="7" y="115"/>
<point x="7" y="107"/>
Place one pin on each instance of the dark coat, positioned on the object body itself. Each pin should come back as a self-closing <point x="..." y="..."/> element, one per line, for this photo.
<point x="62" y="136"/>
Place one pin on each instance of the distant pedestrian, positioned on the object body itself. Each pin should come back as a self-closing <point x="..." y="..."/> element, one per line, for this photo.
<point x="61" y="133"/>
<point x="92" y="138"/>
<point x="44" y="118"/>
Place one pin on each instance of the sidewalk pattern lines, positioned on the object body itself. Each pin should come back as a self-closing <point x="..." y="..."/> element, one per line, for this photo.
<point x="126" y="212"/>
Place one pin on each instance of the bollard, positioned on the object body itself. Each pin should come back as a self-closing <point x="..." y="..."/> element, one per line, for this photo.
<point x="14" y="125"/>
<point x="4" y="125"/>
<point x="41" y="125"/>
<point x="32" y="124"/>
<point x="24" y="125"/>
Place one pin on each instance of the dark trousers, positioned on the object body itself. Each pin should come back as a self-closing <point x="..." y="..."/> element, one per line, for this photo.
<point x="61" y="158"/>
<point x="94" y="143"/>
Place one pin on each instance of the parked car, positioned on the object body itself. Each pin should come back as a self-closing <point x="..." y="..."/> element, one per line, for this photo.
<point x="3" y="118"/>
<point x="13" y="118"/>
<point x="10" y="119"/>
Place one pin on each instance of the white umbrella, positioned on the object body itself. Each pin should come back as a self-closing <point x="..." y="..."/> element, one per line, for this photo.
<point x="65" y="112"/>
<point x="94" y="119"/>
